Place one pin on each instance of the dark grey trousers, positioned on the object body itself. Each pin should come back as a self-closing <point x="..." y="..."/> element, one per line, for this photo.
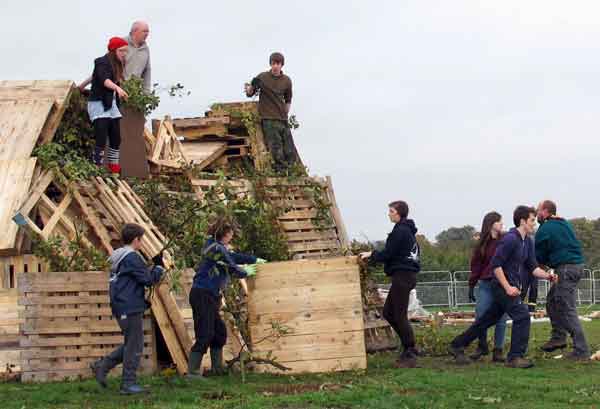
<point x="130" y="353"/>
<point x="562" y="308"/>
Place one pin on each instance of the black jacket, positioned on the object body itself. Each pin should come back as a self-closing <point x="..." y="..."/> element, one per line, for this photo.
<point x="401" y="252"/>
<point x="103" y="71"/>
<point x="129" y="278"/>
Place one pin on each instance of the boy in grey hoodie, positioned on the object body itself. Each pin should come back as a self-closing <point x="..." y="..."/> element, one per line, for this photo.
<point x="129" y="276"/>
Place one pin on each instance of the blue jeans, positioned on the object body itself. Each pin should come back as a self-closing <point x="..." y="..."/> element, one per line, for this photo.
<point x="485" y="299"/>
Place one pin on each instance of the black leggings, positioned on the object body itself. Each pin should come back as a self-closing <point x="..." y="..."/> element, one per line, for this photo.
<point x="395" y="310"/>
<point x="209" y="328"/>
<point x="107" y="128"/>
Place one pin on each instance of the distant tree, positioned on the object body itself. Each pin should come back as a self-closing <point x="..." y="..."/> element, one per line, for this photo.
<point x="588" y="233"/>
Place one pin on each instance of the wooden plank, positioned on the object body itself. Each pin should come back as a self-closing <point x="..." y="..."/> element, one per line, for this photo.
<point x="202" y="154"/>
<point x="55" y="90"/>
<point x="56" y="113"/>
<point x="15" y="180"/>
<point x="21" y="123"/>
<point x="337" y="215"/>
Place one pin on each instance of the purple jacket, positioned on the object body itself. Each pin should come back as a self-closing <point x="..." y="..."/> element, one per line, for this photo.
<point x="516" y="256"/>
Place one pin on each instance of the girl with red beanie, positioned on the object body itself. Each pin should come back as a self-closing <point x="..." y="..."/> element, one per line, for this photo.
<point x="104" y="100"/>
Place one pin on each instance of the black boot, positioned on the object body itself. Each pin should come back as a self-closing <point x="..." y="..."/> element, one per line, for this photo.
<point x="216" y="362"/>
<point x="194" y="363"/>
<point x="100" y="372"/>
<point x="459" y="355"/>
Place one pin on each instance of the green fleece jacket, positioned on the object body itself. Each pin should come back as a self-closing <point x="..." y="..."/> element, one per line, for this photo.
<point x="556" y="244"/>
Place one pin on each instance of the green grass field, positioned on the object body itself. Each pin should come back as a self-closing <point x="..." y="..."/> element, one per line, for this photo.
<point x="552" y="383"/>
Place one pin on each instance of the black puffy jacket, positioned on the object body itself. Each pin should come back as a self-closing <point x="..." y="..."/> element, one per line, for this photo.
<point x="401" y="252"/>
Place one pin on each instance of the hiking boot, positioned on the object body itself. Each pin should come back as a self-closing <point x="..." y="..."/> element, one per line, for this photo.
<point x="459" y="355"/>
<point x="99" y="373"/>
<point x="553" y="345"/>
<point x="134" y="389"/>
<point x="194" y="362"/>
<point x="497" y="355"/>
<point x="577" y="357"/>
<point x="519" y="362"/>
<point x="479" y="352"/>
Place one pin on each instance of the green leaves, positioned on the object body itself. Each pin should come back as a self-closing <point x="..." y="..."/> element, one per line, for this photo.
<point x="139" y="99"/>
<point x="66" y="163"/>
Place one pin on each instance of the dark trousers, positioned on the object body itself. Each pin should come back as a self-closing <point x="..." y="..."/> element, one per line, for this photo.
<point x="107" y="129"/>
<point x="503" y="304"/>
<point x="209" y="328"/>
<point x="130" y="352"/>
<point x="279" y="141"/>
<point x="530" y="292"/>
<point x="395" y="309"/>
<point x="562" y="308"/>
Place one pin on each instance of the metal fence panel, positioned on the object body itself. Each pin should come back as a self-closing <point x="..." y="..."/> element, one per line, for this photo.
<point x="434" y="288"/>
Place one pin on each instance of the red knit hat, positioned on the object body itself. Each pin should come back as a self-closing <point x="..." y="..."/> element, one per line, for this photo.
<point x="116" y="42"/>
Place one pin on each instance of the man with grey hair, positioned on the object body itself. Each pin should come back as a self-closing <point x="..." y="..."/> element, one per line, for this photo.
<point x="137" y="61"/>
<point x="138" y="57"/>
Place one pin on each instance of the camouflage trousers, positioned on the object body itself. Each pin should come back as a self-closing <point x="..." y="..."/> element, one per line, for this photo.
<point x="279" y="141"/>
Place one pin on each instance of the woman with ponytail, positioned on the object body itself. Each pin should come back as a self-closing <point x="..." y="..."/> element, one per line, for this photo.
<point x="481" y="271"/>
<point x="104" y="100"/>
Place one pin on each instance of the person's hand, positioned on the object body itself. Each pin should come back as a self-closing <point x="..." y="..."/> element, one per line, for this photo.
<point x="260" y="261"/>
<point x="158" y="260"/>
<point x="250" y="269"/>
<point x="512" y="291"/>
<point x="365" y="255"/>
<point x="122" y="94"/>
<point x="81" y="87"/>
<point x="472" y="294"/>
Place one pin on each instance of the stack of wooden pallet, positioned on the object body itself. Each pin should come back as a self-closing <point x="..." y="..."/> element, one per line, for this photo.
<point x="102" y="207"/>
<point x="30" y="112"/>
<point x="219" y="139"/>
<point x="68" y="324"/>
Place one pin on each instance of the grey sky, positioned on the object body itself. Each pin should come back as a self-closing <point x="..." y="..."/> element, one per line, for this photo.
<point x="456" y="107"/>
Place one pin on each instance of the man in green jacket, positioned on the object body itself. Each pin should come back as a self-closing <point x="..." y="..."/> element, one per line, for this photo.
<point x="557" y="247"/>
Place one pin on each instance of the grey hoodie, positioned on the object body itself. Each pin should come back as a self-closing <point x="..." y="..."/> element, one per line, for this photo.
<point x="116" y="257"/>
<point x="138" y="63"/>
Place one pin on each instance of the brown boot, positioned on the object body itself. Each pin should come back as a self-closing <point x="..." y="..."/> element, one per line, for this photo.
<point x="459" y="355"/>
<point x="519" y="362"/>
<point x="497" y="355"/>
<point x="408" y="359"/>
<point x="553" y="345"/>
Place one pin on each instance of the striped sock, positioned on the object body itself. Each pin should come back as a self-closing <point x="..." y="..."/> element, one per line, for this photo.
<point x="112" y="156"/>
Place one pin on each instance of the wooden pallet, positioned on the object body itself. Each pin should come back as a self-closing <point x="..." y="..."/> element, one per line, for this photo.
<point x="308" y="237"/>
<point x="320" y="301"/>
<point x="11" y="268"/>
<point x="167" y="149"/>
<point x="106" y="205"/>
<point x="68" y="324"/>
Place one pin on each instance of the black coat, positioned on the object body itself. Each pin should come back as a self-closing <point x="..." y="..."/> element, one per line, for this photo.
<point x="103" y="71"/>
<point x="401" y="252"/>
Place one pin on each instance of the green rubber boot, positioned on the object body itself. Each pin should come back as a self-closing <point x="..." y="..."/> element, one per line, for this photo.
<point x="194" y="371"/>
<point x="216" y="362"/>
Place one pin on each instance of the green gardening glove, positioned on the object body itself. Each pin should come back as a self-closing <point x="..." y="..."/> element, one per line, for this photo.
<point x="260" y="261"/>
<point x="250" y="269"/>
